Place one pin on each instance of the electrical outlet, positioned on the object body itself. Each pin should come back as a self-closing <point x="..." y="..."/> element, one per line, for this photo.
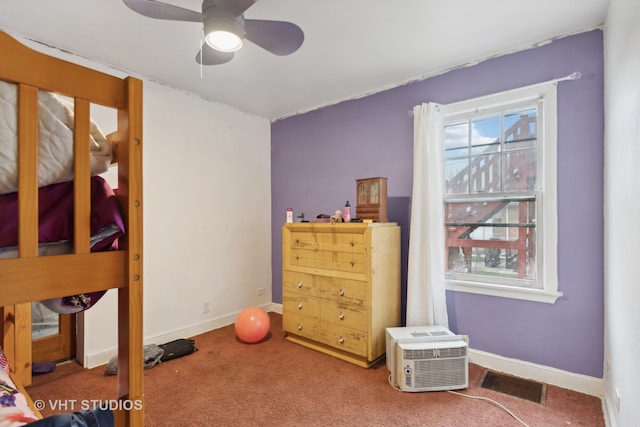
<point x="261" y="291"/>
<point x="617" y="400"/>
<point x="205" y="308"/>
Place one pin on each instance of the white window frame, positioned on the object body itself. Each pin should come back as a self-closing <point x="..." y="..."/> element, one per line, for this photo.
<point x="545" y="288"/>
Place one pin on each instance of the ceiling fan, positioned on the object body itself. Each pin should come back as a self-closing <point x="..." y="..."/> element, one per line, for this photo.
<point x="225" y="28"/>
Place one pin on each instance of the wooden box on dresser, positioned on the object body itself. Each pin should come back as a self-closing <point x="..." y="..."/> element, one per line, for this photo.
<point x="341" y="287"/>
<point x="371" y="202"/>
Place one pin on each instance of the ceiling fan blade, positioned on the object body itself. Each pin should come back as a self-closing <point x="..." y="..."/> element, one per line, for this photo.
<point x="237" y="7"/>
<point x="278" y="37"/>
<point x="210" y="56"/>
<point x="158" y="10"/>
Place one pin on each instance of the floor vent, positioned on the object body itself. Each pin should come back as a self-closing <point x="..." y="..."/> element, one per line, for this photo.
<point x="514" y="386"/>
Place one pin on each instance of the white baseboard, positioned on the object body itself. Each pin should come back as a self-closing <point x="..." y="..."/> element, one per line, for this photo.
<point x="276" y="308"/>
<point x="102" y="358"/>
<point x="607" y="409"/>
<point x="545" y="374"/>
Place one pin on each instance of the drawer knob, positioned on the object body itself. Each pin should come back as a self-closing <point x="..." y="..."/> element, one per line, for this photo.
<point x="341" y="293"/>
<point x="299" y="326"/>
<point x="299" y="305"/>
<point x="341" y="340"/>
<point x="300" y="284"/>
<point x="341" y="316"/>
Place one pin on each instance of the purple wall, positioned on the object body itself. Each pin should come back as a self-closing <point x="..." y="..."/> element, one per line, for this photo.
<point x="317" y="156"/>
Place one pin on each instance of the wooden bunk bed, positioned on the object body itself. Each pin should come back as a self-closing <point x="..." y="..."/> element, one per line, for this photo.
<point x="30" y="277"/>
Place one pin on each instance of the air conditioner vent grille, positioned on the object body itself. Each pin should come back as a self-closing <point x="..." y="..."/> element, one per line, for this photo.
<point x="439" y="373"/>
<point x="435" y="353"/>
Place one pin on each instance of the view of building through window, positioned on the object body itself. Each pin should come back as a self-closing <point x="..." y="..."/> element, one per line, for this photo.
<point x="490" y="175"/>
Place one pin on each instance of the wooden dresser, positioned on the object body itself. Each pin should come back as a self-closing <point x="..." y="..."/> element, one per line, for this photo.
<point x="341" y="287"/>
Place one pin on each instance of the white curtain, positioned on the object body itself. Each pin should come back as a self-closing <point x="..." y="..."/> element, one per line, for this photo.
<point x="426" y="298"/>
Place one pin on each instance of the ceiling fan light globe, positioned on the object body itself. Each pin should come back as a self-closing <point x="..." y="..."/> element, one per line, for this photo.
<point x="224" y="41"/>
<point x="223" y="32"/>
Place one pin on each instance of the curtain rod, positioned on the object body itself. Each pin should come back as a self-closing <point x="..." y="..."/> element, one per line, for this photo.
<point x="573" y="76"/>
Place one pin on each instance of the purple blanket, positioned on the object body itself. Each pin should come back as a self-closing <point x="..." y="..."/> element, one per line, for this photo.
<point x="55" y="207"/>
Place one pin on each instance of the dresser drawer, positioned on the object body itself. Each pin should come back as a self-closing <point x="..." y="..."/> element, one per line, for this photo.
<point x="351" y="262"/>
<point x="303" y="326"/>
<point x="300" y="304"/>
<point x="345" y="291"/>
<point x="346" y="304"/>
<point x="319" y="241"/>
<point x="328" y="251"/>
<point x="343" y="338"/>
<point x="293" y="281"/>
<point x="345" y="316"/>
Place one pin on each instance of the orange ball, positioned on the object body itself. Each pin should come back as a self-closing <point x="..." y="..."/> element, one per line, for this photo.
<point x="252" y="324"/>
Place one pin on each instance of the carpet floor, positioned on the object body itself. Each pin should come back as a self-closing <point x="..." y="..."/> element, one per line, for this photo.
<point x="279" y="383"/>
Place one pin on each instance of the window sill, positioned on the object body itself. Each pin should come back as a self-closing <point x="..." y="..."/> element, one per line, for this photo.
<point x="527" y="294"/>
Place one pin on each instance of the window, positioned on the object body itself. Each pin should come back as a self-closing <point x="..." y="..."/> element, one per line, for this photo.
<point x="499" y="194"/>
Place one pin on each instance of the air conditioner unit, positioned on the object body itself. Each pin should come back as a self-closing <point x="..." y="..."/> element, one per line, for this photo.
<point x="427" y="358"/>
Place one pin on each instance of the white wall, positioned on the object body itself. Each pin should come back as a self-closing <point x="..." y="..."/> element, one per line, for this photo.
<point x="207" y="236"/>
<point x="622" y="204"/>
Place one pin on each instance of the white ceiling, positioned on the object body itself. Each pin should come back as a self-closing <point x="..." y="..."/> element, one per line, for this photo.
<point x="351" y="48"/>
